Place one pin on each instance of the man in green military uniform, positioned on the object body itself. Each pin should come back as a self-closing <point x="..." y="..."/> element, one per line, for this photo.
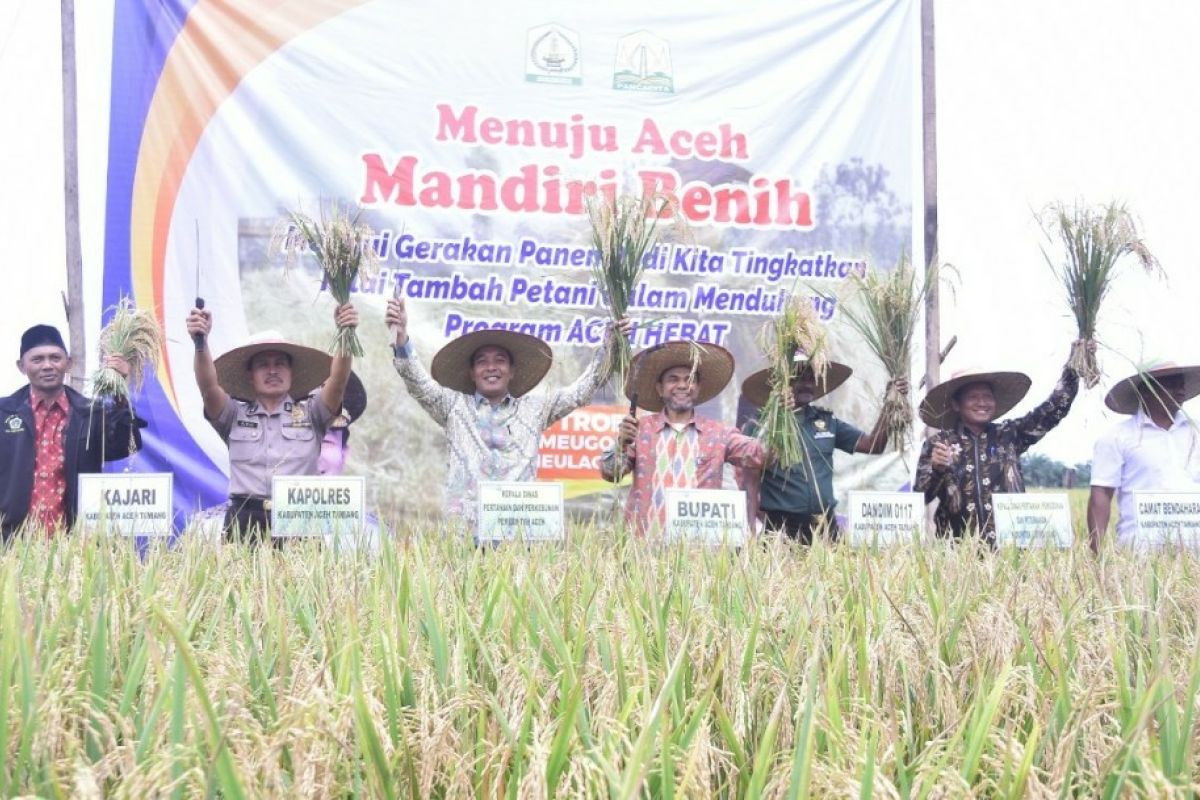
<point x="799" y="501"/>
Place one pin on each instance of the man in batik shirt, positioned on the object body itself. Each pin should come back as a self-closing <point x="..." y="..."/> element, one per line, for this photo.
<point x="971" y="456"/>
<point x="51" y="434"/>
<point x="479" y="389"/>
<point x="674" y="448"/>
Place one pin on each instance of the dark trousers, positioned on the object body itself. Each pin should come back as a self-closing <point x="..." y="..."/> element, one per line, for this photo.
<point x="246" y="520"/>
<point x="801" y="527"/>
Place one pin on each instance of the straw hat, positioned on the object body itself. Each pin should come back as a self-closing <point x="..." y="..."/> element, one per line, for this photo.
<point x="1008" y="387"/>
<point x="757" y="387"/>
<point x="714" y="368"/>
<point x="531" y="359"/>
<point x="354" y="402"/>
<point x="310" y="367"/>
<point x="1123" y="397"/>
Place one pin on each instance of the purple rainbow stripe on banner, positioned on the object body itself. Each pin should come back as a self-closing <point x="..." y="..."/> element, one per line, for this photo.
<point x="174" y="63"/>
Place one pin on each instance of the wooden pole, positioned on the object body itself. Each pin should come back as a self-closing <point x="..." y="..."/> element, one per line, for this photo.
<point x="933" y="334"/>
<point x="75" y="319"/>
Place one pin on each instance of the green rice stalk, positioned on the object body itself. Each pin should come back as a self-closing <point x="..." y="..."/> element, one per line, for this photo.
<point x="135" y="335"/>
<point x="796" y="331"/>
<point x="623" y="229"/>
<point x="885" y="309"/>
<point x="344" y="249"/>
<point x="1096" y="240"/>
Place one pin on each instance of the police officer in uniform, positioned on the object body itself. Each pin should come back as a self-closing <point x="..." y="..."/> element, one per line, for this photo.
<point x="249" y="398"/>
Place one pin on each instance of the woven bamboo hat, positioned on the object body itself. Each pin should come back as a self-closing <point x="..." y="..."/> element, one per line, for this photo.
<point x="1123" y="397"/>
<point x="713" y="364"/>
<point x="531" y="360"/>
<point x="757" y="387"/>
<point x="1008" y="388"/>
<point x="310" y="367"/>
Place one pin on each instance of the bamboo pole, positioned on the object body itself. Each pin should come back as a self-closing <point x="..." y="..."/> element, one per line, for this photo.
<point x="74" y="301"/>
<point x="933" y="332"/>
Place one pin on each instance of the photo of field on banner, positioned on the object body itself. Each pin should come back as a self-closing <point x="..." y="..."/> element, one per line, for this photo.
<point x="127" y="504"/>
<point x="518" y="510"/>
<point x="706" y="516"/>
<point x="328" y="507"/>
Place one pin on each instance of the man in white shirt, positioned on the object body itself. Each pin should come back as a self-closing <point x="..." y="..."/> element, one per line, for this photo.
<point x="1156" y="449"/>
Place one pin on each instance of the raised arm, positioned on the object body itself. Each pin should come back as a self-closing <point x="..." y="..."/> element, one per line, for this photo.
<point x="334" y="390"/>
<point x="199" y="324"/>
<point x="876" y="441"/>
<point x="1041" y="420"/>
<point x="561" y="402"/>
<point x="431" y="395"/>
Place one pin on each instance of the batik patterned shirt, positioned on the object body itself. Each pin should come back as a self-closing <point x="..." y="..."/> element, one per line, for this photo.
<point x="486" y="442"/>
<point x="987" y="463"/>
<point x="709" y="444"/>
<point x="49" y="467"/>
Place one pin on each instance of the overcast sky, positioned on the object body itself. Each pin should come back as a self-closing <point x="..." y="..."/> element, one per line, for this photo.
<point x="1038" y="100"/>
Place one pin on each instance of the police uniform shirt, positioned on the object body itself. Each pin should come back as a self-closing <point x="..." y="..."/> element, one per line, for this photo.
<point x="263" y="445"/>
<point x="807" y="488"/>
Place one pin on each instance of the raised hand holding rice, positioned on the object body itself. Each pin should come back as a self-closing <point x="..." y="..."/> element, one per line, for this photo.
<point x="1096" y="240"/>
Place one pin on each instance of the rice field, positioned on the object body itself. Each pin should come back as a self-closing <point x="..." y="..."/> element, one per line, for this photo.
<point x="603" y="667"/>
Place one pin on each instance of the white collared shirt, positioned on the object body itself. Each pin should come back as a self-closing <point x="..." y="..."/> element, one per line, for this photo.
<point x="1138" y="455"/>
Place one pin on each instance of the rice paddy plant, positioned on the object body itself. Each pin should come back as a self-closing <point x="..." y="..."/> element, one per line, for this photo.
<point x="795" y="339"/>
<point x="886" y="309"/>
<point x="1096" y="240"/>
<point x="604" y="667"/>
<point x="343" y="247"/>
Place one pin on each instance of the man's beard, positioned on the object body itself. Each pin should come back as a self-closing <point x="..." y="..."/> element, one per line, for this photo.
<point x="679" y="406"/>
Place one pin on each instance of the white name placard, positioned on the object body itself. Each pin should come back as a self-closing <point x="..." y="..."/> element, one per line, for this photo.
<point x="883" y="518"/>
<point x="1036" y="519"/>
<point x="1166" y="519"/>
<point x="128" y="503"/>
<point x="708" y="516"/>
<point x="532" y="511"/>
<point x="318" y="505"/>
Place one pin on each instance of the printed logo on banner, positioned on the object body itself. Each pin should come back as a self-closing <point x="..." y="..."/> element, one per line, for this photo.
<point x="552" y="55"/>
<point x="643" y="64"/>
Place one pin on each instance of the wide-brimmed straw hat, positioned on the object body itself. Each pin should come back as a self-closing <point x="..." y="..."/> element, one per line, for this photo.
<point x="1008" y="388"/>
<point x="1123" y="397"/>
<point x="310" y="367"/>
<point x="713" y="364"/>
<point x="531" y="360"/>
<point x="757" y="388"/>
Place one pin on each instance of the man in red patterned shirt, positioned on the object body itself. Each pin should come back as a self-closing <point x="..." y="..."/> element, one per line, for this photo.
<point x="674" y="448"/>
<point x="48" y="436"/>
